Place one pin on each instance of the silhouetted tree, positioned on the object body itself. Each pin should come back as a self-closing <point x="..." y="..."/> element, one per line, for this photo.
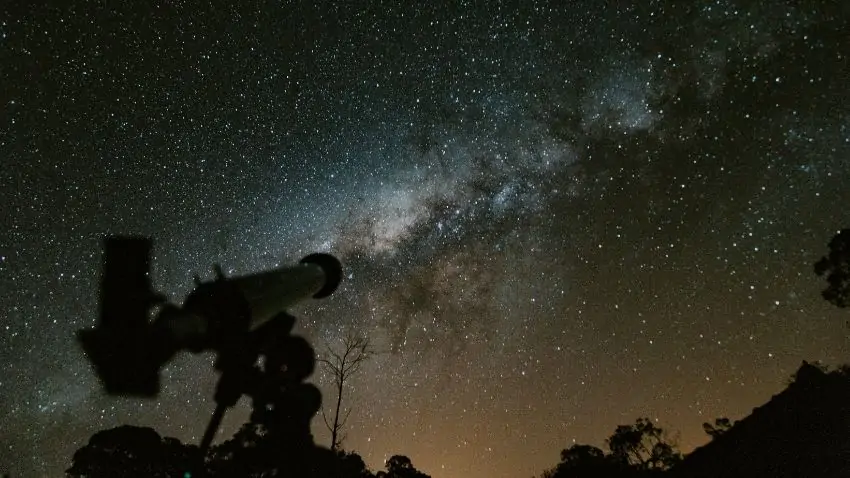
<point x="351" y="465"/>
<point x="586" y="461"/>
<point x="636" y="451"/>
<point x="400" y="466"/>
<point x="129" y="451"/>
<point x="342" y="365"/>
<point x="581" y="454"/>
<point x="836" y="267"/>
<point x="643" y="446"/>
<point x="720" y="426"/>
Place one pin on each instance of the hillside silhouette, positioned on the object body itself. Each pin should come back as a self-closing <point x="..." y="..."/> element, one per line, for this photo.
<point x="800" y="432"/>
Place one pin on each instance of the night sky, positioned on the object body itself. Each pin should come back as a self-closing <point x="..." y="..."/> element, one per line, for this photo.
<point x="554" y="218"/>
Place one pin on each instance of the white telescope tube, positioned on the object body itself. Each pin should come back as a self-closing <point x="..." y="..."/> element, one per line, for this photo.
<point x="271" y="292"/>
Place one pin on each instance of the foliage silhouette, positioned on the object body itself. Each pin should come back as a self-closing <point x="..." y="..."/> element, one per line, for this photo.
<point x="720" y="426"/>
<point x="400" y="466"/>
<point x="643" y="446"/>
<point x="131" y="452"/>
<point x="351" y="465"/>
<point x="584" y="461"/>
<point x="637" y="450"/>
<point x="135" y="452"/>
<point x="836" y="267"/>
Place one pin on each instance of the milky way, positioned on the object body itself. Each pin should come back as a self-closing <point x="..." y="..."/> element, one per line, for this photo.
<point x="553" y="219"/>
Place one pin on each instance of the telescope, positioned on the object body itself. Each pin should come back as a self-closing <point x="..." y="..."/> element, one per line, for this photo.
<point x="128" y="347"/>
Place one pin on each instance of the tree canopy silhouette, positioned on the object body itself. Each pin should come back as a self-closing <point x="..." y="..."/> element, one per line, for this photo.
<point x="351" y="465"/>
<point x="720" y="426"/>
<point x="643" y="445"/>
<point x="836" y="268"/>
<point x="400" y="466"/>
<point x="585" y="461"/>
<point x="637" y="450"/>
<point x="131" y="452"/>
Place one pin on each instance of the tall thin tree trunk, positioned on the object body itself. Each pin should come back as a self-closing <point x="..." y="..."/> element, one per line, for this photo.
<point x="335" y="429"/>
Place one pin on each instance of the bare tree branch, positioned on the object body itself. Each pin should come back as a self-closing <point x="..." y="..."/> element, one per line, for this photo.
<point x="344" y="419"/>
<point x="342" y="364"/>
<point x="325" y="419"/>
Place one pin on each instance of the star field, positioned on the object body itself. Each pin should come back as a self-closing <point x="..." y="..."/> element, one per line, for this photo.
<point x="553" y="218"/>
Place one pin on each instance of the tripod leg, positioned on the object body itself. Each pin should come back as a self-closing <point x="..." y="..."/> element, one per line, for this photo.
<point x="215" y="421"/>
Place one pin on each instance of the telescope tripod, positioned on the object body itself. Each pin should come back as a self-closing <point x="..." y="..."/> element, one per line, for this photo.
<point x="270" y="365"/>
